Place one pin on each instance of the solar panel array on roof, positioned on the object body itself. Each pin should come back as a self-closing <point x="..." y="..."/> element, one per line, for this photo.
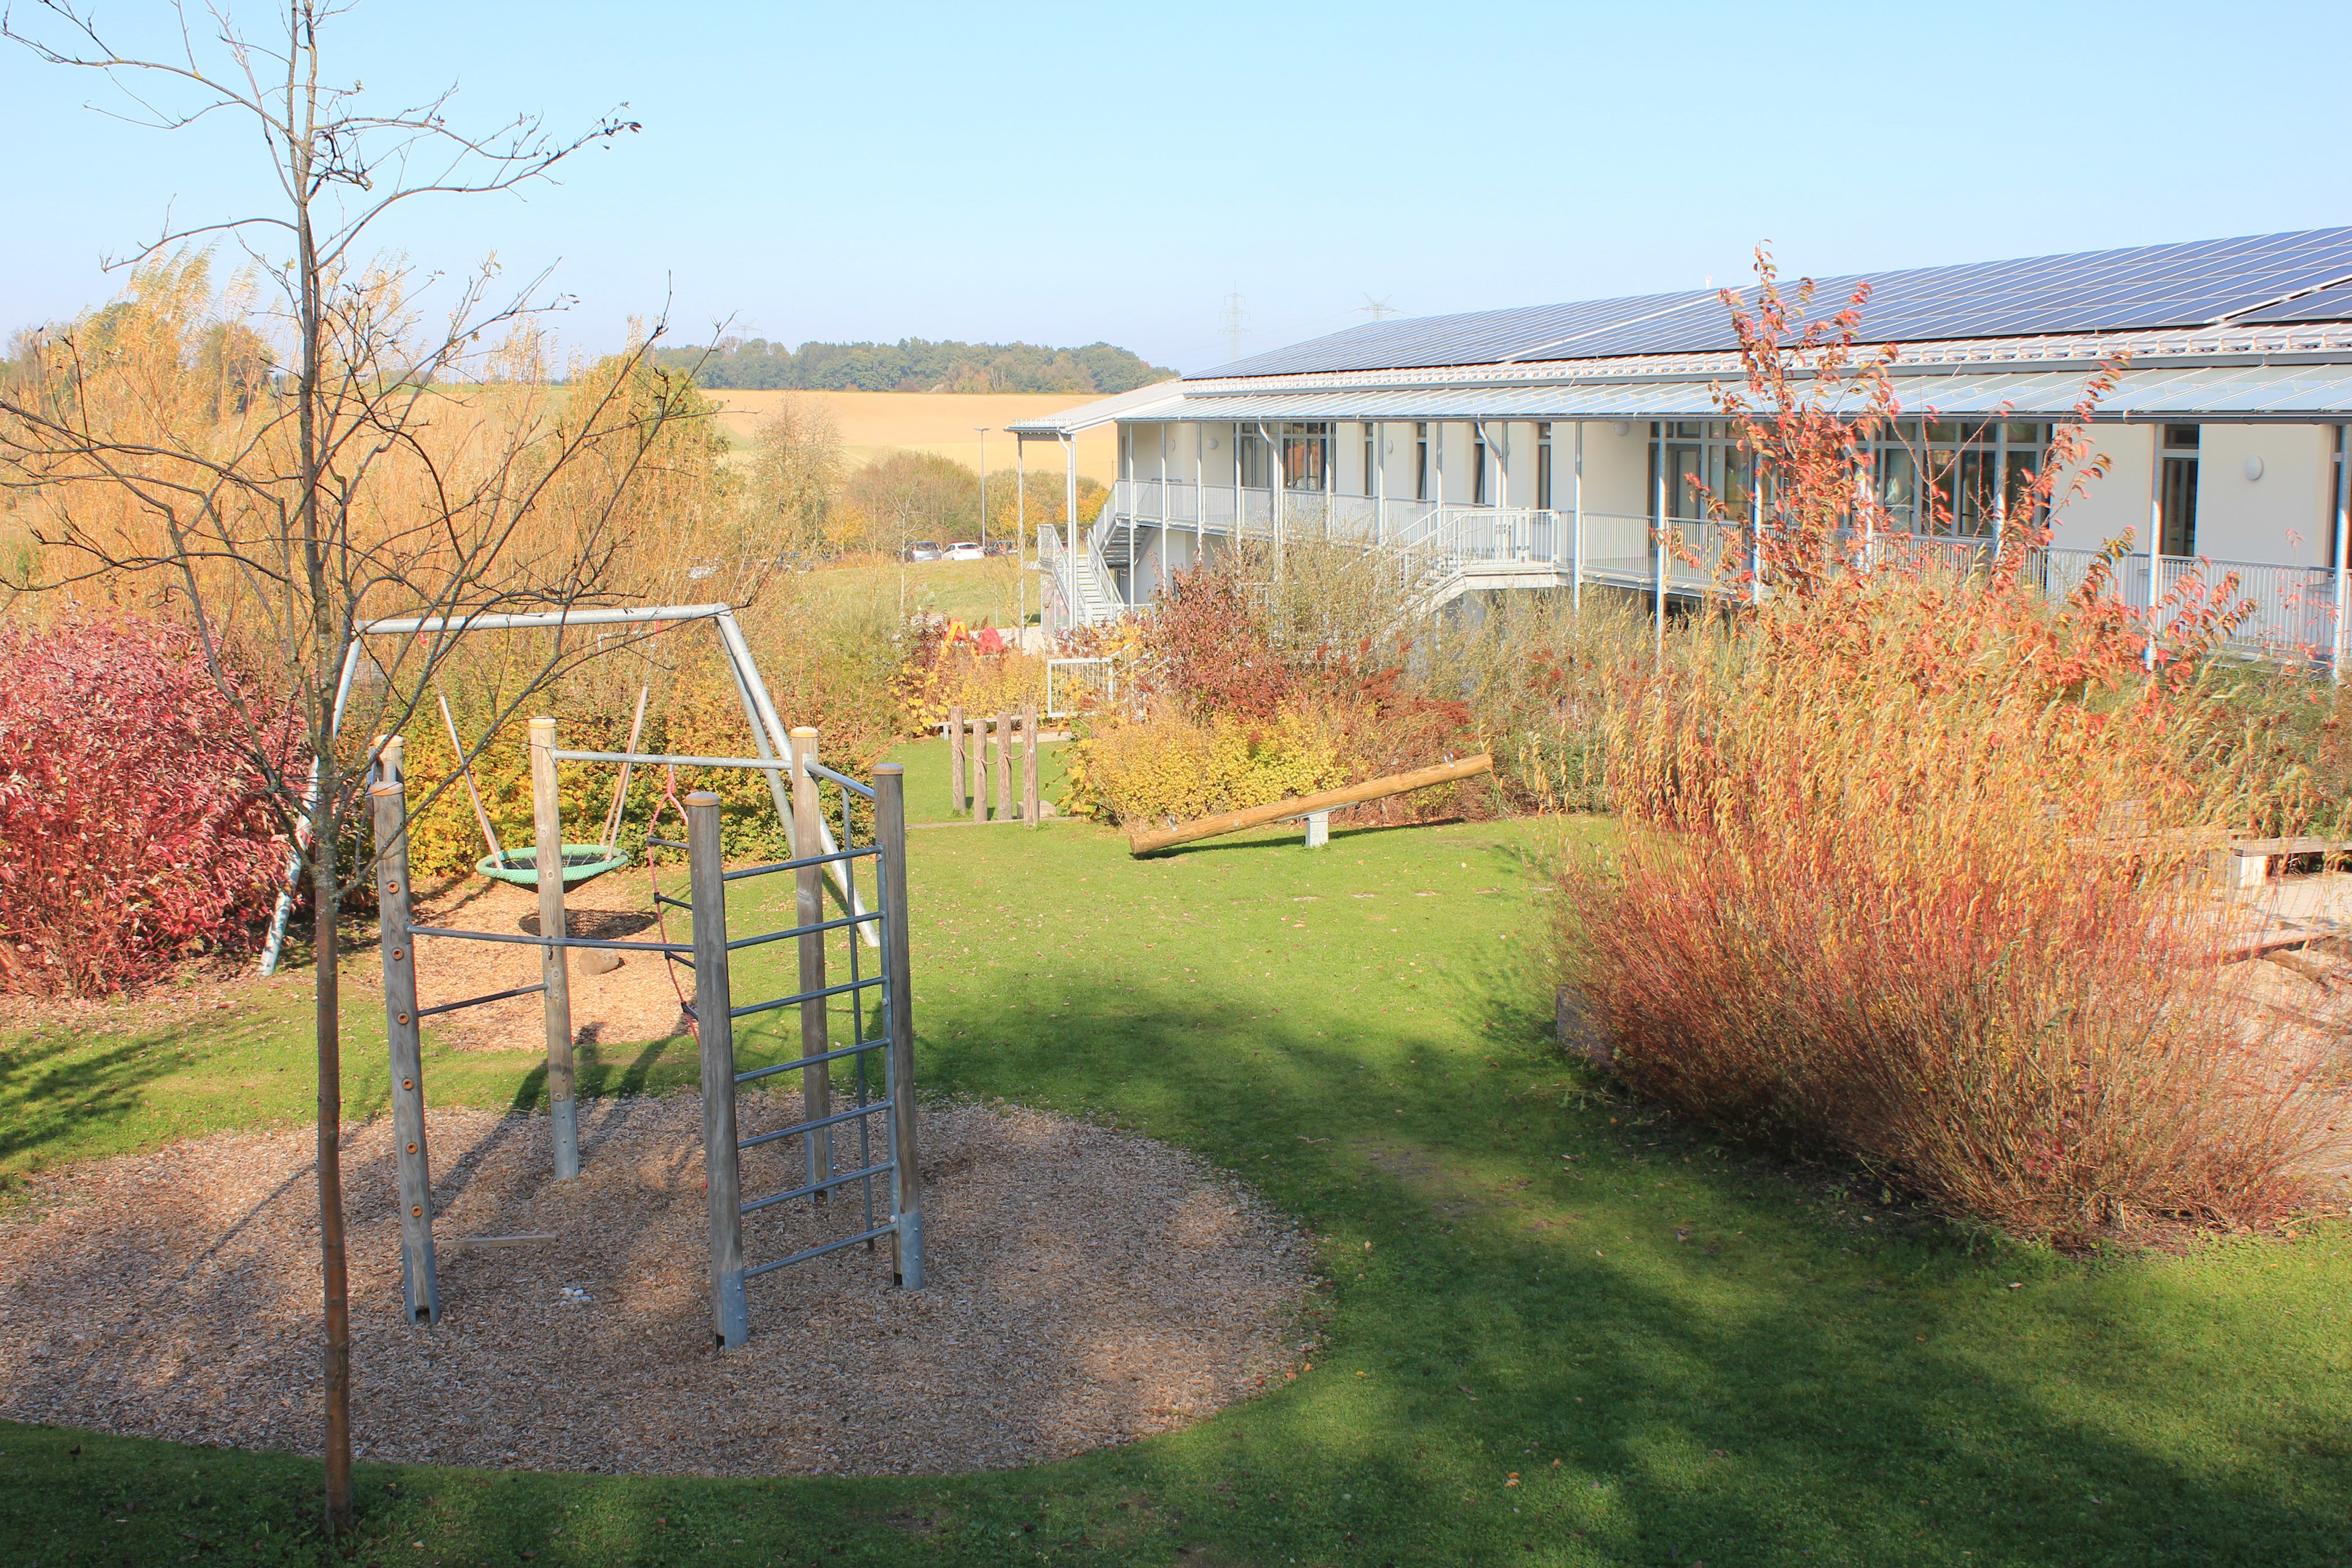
<point x="2189" y="285"/>
<point x="2327" y="304"/>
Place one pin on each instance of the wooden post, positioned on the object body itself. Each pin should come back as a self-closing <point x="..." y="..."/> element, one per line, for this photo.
<point x="554" y="968"/>
<point x="1003" y="768"/>
<point x="816" y="1082"/>
<point x="979" y="769"/>
<point x="1029" y="764"/>
<point x="955" y="759"/>
<point x="419" y="1279"/>
<point x="906" y="1184"/>
<point x="714" y="998"/>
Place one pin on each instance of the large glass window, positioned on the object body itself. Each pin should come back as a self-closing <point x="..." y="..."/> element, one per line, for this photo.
<point x="1421" y="461"/>
<point x="2177" y="499"/>
<point x="1306" y="457"/>
<point x="1477" y="465"/>
<point x="1543" y="468"/>
<point x="1959" y="476"/>
<point x="1947" y="477"/>
<point x="1701" y="458"/>
<point x="1371" y="460"/>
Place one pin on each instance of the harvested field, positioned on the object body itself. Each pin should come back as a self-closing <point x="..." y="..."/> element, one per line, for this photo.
<point x="1087" y="1287"/>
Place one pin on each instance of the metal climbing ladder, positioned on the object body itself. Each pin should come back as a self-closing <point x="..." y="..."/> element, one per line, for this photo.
<point x="821" y="1126"/>
<point x="883" y="1126"/>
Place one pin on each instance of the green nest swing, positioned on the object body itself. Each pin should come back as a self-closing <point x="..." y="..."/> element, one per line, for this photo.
<point x="582" y="864"/>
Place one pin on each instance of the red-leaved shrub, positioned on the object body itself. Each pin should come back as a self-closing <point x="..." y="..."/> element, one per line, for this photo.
<point x="134" y="829"/>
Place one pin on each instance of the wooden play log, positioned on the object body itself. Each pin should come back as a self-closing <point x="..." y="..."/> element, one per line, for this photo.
<point x="412" y="1162"/>
<point x="1143" y="843"/>
<point x="1029" y="764"/>
<point x="955" y="759"/>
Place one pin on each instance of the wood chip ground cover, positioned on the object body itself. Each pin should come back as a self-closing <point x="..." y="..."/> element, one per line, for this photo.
<point x="1087" y="1287"/>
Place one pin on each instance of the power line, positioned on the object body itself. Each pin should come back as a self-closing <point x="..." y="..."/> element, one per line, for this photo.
<point x="1236" y="320"/>
<point x="1378" y="309"/>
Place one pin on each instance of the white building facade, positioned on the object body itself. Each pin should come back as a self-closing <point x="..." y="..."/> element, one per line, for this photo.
<point x="1550" y="448"/>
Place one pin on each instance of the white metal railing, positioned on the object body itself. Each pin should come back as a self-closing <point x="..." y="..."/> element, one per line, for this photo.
<point x="2293" y="607"/>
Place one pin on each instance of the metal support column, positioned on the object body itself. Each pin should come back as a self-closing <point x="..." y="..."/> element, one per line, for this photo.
<point x="906" y="1190"/>
<point x="2337" y="642"/>
<point x="730" y="1318"/>
<point x="1755" y="533"/>
<point x="2155" y="534"/>
<point x="816" y="1082"/>
<point x="1658" y="548"/>
<point x="1576" y="502"/>
<point x="419" y="1279"/>
<point x="554" y="967"/>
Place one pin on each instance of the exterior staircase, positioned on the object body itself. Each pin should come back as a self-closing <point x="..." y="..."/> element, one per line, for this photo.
<point x="1079" y="589"/>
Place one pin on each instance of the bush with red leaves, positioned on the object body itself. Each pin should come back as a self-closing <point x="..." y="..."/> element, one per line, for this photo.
<point x="134" y="829"/>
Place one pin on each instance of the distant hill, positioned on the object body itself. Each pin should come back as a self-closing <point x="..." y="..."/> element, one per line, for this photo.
<point x="911" y="364"/>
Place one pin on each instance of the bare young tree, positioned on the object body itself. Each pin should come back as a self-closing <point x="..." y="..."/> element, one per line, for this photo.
<point x="401" y="462"/>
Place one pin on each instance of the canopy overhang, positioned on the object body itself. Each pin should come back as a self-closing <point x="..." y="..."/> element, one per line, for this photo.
<point x="2254" y="393"/>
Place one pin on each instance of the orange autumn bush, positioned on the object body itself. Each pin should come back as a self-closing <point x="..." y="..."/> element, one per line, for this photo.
<point x="1910" y="872"/>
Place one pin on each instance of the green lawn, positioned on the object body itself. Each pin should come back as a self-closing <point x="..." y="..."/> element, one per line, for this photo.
<point x="1680" y="1353"/>
<point x="973" y="590"/>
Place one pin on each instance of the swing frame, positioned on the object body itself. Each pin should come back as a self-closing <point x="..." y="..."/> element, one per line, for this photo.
<point x="769" y="735"/>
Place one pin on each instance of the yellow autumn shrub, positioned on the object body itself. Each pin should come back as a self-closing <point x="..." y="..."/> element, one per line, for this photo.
<point x="1168" y="769"/>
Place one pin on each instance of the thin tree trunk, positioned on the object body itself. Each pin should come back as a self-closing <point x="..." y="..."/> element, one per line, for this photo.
<point x="332" y="1268"/>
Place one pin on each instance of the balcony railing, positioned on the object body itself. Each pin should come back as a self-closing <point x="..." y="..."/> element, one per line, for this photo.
<point x="2291" y="610"/>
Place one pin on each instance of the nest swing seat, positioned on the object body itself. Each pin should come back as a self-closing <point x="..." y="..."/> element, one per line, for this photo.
<point x="582" y="864"/>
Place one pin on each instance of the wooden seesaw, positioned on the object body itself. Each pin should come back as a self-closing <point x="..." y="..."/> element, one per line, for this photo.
<point x="1316" y="807"/>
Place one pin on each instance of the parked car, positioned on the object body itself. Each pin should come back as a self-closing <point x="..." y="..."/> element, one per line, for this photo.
<point x="1005" y="546"/>
<point x="923" y="549"/>
<point x="966" y="549"/>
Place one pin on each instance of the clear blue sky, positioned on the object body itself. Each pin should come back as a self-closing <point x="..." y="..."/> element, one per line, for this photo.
<point x="1064" y="173"/>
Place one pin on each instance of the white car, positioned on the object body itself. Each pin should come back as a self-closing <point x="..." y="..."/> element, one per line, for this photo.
<point x="966" y="549"/>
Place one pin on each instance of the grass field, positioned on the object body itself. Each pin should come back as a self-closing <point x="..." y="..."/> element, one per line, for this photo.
<point x="1557" y="1329"/>
<point x="874" y="424"/>
<point x="975" y="591"/>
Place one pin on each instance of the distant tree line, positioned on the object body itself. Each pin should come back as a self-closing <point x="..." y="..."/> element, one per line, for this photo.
<point x="912" y="364"/>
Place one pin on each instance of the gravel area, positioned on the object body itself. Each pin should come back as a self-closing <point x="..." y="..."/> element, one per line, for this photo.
<point x="637" y="999"/>
<point x="1087" y="1287"/>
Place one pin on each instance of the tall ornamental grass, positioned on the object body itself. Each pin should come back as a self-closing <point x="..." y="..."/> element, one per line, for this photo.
<point x="1911" y="869"/>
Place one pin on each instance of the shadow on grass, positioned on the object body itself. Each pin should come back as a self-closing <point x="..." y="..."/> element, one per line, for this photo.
<point x="1778" y="1395"/>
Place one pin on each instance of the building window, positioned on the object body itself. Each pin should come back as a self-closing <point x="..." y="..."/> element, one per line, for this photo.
<point x="1477" y="465"/>
<point x="1421" y="461"/>
<point x="1256" y="464"/>
<point x="2176" y="497"/>
<point x="1932" y="476"/>
<point x="1543" y="466"/>
<point x="1306" y="457"/>
<point x="1371" y="460"/>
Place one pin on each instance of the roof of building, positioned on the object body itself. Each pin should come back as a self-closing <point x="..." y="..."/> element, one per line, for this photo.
<point x="1087" y="415"/>
<point x="2278" y="277"/>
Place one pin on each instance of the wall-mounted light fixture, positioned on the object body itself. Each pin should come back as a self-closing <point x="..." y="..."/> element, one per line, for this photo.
<point x="1213" y="444"/>
<point x="1623" y="427"/>
<point x="2253" y="468"/>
